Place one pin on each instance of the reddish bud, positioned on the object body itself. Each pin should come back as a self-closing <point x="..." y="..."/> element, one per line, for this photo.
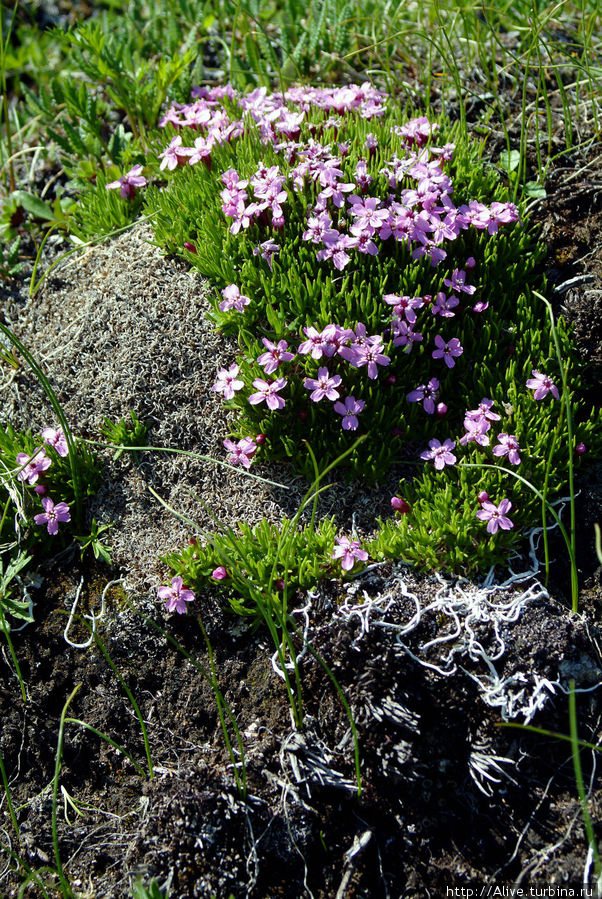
<point x="391" y="379"/>
<point x="483" y="497"/>
<point x="397" y="432"/>
<point x="470" y="263"/>
<point x="441" y="410"/>
<point x="260" y="439"/>
<point x="193" y="542"/>
<point x="279" y="584"/>
<point x="580" y="449"/>
<point x="400" y="505"/>
<point x="190" y="247"/>
<point x="41" y="490"/>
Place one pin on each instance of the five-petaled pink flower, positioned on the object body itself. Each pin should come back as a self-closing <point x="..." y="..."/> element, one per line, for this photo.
<point x="348" y="551"/>
<point x="427" y="394"/>
<point x="276" y="353"/>
<point x="227" y="382"/>
<point x="175" y="596"/>
<point x="447" y="351"/>
<point x="268" y="392"/>
<point x="52" y="514"/>
<point x="350" y="409"/>
<point x="33" y="466"/>
<point x="175" y="154"/>
<point x="128" y="183"/>
<point x="233" y="299"/>
<point x="495" y="516"/>
<point x="542" y="385"/>
<point x="440" y="453"/>
<point x="323" y="386"/>
<point x="508" y="446"/>
<point x="56" y="439"/>
<point x="242" y="452"/>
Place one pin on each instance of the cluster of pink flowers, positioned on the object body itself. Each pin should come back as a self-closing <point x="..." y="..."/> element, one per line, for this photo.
<point x="346" y="216"/>
<point x="477" y="423"/>
<point x="356" y="347"/>
<point x="269" y="195"/>
<point x="31" y="467"/>
<point x="421" y="215"/>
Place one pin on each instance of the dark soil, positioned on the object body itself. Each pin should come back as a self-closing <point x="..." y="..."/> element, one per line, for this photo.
<point x="448" y="796"/>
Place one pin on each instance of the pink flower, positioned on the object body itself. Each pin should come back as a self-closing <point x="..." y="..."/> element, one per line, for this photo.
<point x="268" y="392"/>
<point x="227" y="383"/>
<point x="219" y="573"/>
<point x="400" y="505"/>
<point x="447" y="351"/>
<point x="276" y="353"/>
<point x="542" y="385"/>
<point x="367" y="352"/>
<point x="404" y="306"/>
<point x="476" y="431"/>
<point x="242" y="452"/>
<point x="128" y="183"/>
<point x="32" y="466"/>
<point x="56" y="439"/>
<point x="349" y="410"/>
<point x="495" y="516"/>
<point x="233" y="299"/>
<point x="314" y="343"/>
<point x="52" y="514"/>
<point x="175" y="597"/>
<point x="483" y="413"/>
<point x="440" y="453"/>
<point x="404" y="335"/>
<point x="427" y="394"/>
<point x="175" y="154"/>
<point x="508" y="446"/>
<point x="444" y="304"/>
<point x="323" y="386"/>
<point x="457" y="282"/>
<point x="202" y="151"/>
<point x="348" y="551"/>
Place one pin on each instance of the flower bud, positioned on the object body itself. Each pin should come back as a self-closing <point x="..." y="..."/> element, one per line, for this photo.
<point x="41" y="490"/>
<point x="580" y="449"/>
<point x="400" y="505"/>
<point x="441" y="410"/>
<point x="470" y="263"/>
<point x="219" y="574"/>
<point x="483" y="497"/>
<point x="279" y="584"/>
<point x="190" y="247"/>
<point x="260" y="439"/>
<point x="391" y="380"/>
<point x="396" y="432"/>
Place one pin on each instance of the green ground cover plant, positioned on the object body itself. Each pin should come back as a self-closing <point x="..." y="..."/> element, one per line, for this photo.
<point x="376" y="272"/>
<point x="380" y="283"/>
